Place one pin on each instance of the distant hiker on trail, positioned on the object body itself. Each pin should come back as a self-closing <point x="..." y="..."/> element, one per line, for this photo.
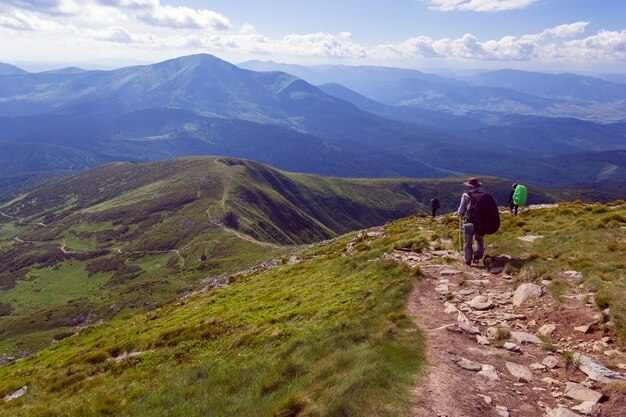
<point x="517" y="197"/>
<point x="512" y="206"/>
<point x="434" y="206"/>
<point x="481" y="217"/>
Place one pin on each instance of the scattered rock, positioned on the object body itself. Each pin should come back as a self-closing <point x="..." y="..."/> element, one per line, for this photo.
<point x="529" y="238"/>
<point x="14" y="395"/>
<point x="596" y="371"/>
<point x="546" y="330"/>
<point x="502" y="411"/>
<point x="549" y="381"/>
<point x="550" y="362"/>
<point x="450" y="308"/>
<point x="519" y="372"/>
<point x="525" y="338"/>
<point x="467" y="364"/>
<point x="537" y="367"/>
<point x="574" y="274"/>
<point x="578" y="392"/>
<point x="485" y="398"/>
<point x="480" y="303"/>
<point x="466" y="292"/>
<point x="511" y="347"/>
<point x="442" y="289"/>
<point x="526" y="292"/>
<point x="293" y="260"/>
<point x="482" y="340"/>
<point x="496" y="270"/>
<point x="587" y="408"/>
<point x="560" y="412"/>
<point x="488" y="371"/>
<point x="465" y="324"/>
<point x="583" y="329"/>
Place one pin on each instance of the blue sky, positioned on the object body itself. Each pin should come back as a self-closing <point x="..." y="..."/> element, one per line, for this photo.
<point x="575" y="35"/>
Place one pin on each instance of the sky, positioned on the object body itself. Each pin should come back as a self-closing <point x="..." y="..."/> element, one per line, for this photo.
<point x="549" y="35"/>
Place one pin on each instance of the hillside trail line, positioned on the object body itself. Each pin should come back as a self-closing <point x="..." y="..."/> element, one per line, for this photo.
<point x="469" y="373"/>
<point x="227" y="177"/>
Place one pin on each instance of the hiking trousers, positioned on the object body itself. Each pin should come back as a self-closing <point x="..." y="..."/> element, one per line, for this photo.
<point x="469" y="253"/>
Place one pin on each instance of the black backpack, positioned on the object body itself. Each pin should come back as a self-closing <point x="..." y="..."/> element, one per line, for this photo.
<point x="483" y="213"/>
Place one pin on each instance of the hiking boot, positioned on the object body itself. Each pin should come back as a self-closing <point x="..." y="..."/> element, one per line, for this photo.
<point x="468" y="263"/>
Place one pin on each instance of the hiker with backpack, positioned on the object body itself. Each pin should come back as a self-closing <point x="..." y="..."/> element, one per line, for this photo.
<point x="481" y="217"/>
<point x="434" y="206"/>
<point x="517" y="197"/>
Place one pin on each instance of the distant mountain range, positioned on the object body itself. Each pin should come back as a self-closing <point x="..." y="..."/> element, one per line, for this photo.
<point x="368" y="122"/>
<point x="482" y="96"/>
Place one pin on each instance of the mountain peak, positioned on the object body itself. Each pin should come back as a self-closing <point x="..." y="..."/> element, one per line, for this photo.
<point x="8" y="69"/>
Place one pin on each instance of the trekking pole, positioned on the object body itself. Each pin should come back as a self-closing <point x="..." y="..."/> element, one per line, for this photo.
<point x="460" y="228"/>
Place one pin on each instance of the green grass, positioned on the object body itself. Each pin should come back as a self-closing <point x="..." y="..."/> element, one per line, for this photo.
<point x="326" y="337"/>
<point x="10" y="230"/>
<point x="46" y="288"/>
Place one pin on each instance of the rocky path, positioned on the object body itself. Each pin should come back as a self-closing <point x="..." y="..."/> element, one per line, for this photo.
<point x="485" y="354"/>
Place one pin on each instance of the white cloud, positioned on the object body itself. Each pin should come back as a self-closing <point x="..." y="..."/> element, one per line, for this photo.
<point x="113" y="34"/>
<point x="24" y="21"/>
<point x="184" y="17"/>
<point x="567" y="30"/>
<point x="605" y="46"/>
<point x="545" y="45"/>
<point x="154" y="13"/>
<point x="479" y="5"/>
<point x="46" y="6"/>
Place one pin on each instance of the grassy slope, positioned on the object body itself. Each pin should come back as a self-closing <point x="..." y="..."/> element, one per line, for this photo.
<point x="325" y="337"/>
<point x="148" y="210"/>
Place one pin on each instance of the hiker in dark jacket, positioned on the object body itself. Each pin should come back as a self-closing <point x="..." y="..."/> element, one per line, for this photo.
<point x="434" y="206"/>
<point x="468" y="228"/>
<point x="512" y="206"/>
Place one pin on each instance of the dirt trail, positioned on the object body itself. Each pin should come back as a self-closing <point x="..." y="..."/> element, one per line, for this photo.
<point x="227" y="177"/>
<point x="469" y="375"/>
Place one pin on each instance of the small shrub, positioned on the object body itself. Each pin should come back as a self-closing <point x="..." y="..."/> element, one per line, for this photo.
<point x="547" y="343"/>
<point x="290" y="406"/>
<point x="58" y="384"/>
<point x="502" y="335"/>
<point x="568" y="360"/>
<point x="415" y="244"/>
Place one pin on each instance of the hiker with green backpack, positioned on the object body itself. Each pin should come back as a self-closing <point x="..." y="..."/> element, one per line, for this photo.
<point x="481" y="217"/>
<point x="517" y="197"/>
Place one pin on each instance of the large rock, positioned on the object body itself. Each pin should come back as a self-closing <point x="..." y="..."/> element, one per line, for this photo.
<point x="467" y="364"/>
<point x="580" y="393"/>
<point x="14" y="395"/>
<point x="519" y="372"/>
<point x="526" y="292"/>
<point x="488" y="371"/>
<point x="587" y="408"/>
<point x="546" y="330"/>
<point x="480" y="302"/>
<point x="525" y="338"/>
<point x="560" y="412"/>
<point x="466" y="325"/>
<point x="550" y="361"/>
<point x="596" y="371"/>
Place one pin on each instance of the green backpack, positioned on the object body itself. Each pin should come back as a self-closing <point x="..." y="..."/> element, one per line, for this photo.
<point x="519" y="196"/>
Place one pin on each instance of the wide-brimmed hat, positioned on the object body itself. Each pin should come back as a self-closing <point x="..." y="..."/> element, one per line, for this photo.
<point x="472" y="183"/>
